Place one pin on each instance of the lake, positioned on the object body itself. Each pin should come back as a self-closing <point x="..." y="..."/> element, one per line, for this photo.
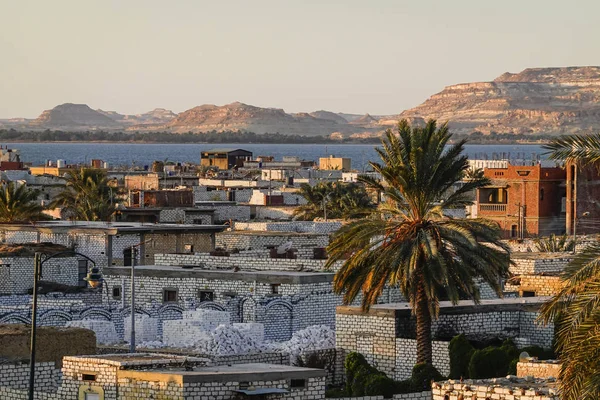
<point x="117" y="154"/>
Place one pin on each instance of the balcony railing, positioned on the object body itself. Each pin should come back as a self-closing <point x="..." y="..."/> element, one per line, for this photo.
<point x="492" y="207"/>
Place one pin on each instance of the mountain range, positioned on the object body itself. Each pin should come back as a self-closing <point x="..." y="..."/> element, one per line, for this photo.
<point x="535" y="101"/>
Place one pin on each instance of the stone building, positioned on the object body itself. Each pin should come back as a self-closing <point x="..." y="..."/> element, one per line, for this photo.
<point x="160" y="376"/>
<point x="385" y="335"/>
<point x="225" y="158"/>
<point x="111" y="243"/>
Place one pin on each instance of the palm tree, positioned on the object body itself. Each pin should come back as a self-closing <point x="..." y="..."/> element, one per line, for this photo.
<point x="19" y="204"/>
<point x="408" y="243"/>
<point x="575" y="310"/>
<point x="87" y="196"/>
<point x="338" y="200"/>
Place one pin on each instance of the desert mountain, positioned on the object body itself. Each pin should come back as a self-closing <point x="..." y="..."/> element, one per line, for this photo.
<point x="536" y="100"/>
<point x="156" y="116"/>
<point x="322" y="114"/>
<point x="73" y="116"/>
<point x="244" y="117"/>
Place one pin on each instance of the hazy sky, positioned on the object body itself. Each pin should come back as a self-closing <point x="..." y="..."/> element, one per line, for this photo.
<point x="374" y="56"/>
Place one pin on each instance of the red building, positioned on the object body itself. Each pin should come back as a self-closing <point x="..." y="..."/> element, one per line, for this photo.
<point x="524" y="200"/>
<point x="583" y="198"/>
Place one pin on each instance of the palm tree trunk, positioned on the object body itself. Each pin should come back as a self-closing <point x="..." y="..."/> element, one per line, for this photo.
<point x="424" y="347"/>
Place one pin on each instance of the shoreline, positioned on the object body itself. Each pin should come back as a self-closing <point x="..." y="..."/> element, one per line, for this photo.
<point x="469" y="142"/>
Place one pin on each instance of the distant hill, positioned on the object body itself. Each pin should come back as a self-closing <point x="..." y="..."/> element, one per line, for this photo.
<point x="535" y="101"/>
<point x="156" y="116"/>
<point x="73" y="116"/>
<point x="244" y="117"/>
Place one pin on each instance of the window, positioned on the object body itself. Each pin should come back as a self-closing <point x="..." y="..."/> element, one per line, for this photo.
<point x="82" y="272"/>
<point x="297" y="383"/>
<point x="88" y="377"/>
<point x="169" y="295"/>
<point x="188" y="248"/>
<point x="541" y="194"/>
<point x="275" y="288"/>
<point x="206" y="295"/>
<point x="528" y="293"/>
<point x="116" y="292"/>
<point x="513" y="231"/>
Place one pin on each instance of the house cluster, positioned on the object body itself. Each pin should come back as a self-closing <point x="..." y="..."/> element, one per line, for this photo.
<point x="239" y="309"/>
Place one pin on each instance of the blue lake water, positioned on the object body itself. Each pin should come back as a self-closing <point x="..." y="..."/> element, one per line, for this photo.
<point x="143" y="154"/>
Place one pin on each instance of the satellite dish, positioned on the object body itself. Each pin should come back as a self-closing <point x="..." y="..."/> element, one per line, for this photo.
<point x="284" y="247"/>
<point x="523" y="356"/>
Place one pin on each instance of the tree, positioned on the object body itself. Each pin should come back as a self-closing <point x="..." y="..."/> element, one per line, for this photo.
<point x="19" y="204"/>
<point x="87" y="196"/>
<point x="407" y="242"/>
<point x="554" y="243"/>
<point x="338" y="200"/>
<point x="575" y="310"/>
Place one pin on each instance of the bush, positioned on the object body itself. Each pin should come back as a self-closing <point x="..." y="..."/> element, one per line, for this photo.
<point x="460" y="350"/>
<point x="512" y="367"/>
<point x="511" y="350"/>
<point x="404" y="386"/>
<point x="352" y="364"/>
<point x="380" y="385"/>
<point x="335" y="393"/>
<point x="490" y="362"/>
<point x="422" y="375"/>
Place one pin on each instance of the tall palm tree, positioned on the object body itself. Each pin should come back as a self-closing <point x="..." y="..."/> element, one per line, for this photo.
<point x="19" y="204"/>
<point x="408" y="243"/>
<point x="87" y="196"/>
<point x="575" y="310"/>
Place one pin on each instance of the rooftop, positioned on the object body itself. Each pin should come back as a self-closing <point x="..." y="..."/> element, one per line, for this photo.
<point x="229" y="373"/>
<point x="136" y="359"/>
<point x="110" y="228"/>
<point x="446" y="307"/>
<point x="289" y="277"/>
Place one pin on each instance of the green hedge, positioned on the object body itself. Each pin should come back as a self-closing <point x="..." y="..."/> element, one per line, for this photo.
<point x="460" y="350"/>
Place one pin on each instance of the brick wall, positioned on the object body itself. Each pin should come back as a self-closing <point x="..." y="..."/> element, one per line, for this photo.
<point x="16" y="376"/>
<point x="538" y="369"/>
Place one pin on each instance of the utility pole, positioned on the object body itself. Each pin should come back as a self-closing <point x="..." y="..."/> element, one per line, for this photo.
<point x="37" y="272"/>
<point x="132" y="338"/>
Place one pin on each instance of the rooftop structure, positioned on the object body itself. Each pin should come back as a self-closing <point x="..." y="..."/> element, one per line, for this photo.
<point x="225" y="158"/>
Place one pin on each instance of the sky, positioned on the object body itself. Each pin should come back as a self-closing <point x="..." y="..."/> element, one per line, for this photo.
<point x="379" y="56"/>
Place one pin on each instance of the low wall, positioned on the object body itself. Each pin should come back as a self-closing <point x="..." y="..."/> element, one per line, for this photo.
<point x="538" y="369"/>
<point x="292" y="226"/>
<point x="244" y="263"/>
<point x="403" y="396"/>
<point x="498" y="389"/>
<point x="16" y="376"/>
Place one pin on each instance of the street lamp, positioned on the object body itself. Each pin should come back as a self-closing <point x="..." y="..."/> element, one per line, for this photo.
<point x="583" y="215"/>
<point x="93" y="278"/>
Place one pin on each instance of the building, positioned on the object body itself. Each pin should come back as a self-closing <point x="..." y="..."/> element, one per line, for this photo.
<point x="524" y="200"/>
<point x="225" y="158"/>
<point x="141" y="181"/>
<point x="111" y="243"/>
<point x="582" y="199"/>
<point x="337" y="163"/>
<point x="10" y="159"/>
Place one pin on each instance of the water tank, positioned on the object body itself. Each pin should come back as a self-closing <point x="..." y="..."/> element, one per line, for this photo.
<point x="105" y="165"/>
<point x="61" y="163"/>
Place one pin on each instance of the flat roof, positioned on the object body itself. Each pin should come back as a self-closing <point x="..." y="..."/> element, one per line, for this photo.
<point x="446" y="307"/>
<point x="229" y="373"/>
<point x="197" y="272"/>
<point x="110" y="228"/>
<point x="274" y="233"/>
<point x="135" y="359"/>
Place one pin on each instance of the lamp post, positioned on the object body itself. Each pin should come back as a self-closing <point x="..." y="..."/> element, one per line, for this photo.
<point x="94" y="279"/>
<point x="583" y="215"/>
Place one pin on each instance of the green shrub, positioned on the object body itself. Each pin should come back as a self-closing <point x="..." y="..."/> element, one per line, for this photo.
<point x="512" y="367"/>
<point x="362" y="373"/>
<point x="354" y="361"/>
<point x="404" y="386"/>
<point x="511" y="350"/>
<point x="422" y="375"/>
<point x="335" y="393"/>
<point x="380" y="385"/>
<point x="460" y="350"/>
<point x="490" y="362"/>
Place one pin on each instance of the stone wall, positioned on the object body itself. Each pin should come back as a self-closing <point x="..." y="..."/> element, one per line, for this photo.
<point x="539" y="263"/>
<point x="243" y="263"/>
<point x="160" y="243"/>
<point x="16" y="376"/>
<point x="184" y="216"/>
<point x="283" y="213"/>
<point x="497" y="389"/>
<point x="227" y="212"/>
<point x="260" y="240"/>
<point x="538" y="369"/>
<point x="406" y="357"/>
<point x="16" y="273"/>
<point x="403" y="396"/>
<point x="292" y="226"/>
<point x="540" y="285"/>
